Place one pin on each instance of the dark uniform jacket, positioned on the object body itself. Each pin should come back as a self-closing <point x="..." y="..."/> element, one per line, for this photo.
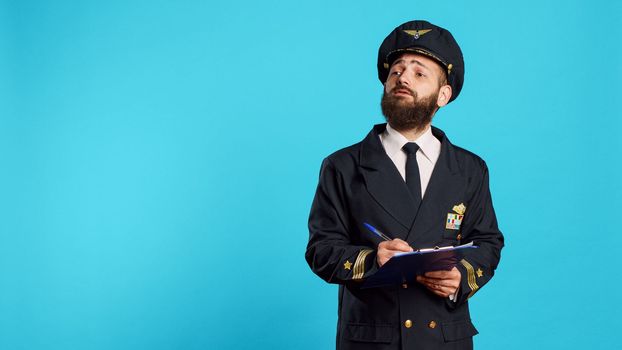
<point x="361" y="184"/>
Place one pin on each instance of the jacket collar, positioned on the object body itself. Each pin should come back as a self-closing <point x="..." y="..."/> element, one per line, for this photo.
<point x="393" y="141"/>
<point x="373" y="155"/>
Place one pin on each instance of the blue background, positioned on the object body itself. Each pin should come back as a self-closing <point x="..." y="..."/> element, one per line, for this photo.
<point x="159" y="158"/>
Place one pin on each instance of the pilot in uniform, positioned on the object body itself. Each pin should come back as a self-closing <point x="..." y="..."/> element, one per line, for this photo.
<point x="431" y="194"/>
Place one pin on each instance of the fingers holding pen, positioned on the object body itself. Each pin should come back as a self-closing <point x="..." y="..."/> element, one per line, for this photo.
<point x="387" y="249"/>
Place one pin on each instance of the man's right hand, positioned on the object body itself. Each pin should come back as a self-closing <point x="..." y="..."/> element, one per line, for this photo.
<point x="387" y="249"/>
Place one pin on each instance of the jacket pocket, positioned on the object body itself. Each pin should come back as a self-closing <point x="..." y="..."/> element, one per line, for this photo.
<point x="457" y="330"/>
<point x="371" y="333"/>
<point x="453" y="237"/>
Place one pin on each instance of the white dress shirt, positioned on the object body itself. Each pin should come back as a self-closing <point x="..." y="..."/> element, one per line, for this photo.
<point x="427" y="155"/>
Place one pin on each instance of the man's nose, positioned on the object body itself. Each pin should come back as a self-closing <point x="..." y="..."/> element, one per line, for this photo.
<point x="401" y="80"/>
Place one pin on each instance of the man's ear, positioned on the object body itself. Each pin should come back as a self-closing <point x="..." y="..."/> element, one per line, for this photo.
<point x="444" y="94"/>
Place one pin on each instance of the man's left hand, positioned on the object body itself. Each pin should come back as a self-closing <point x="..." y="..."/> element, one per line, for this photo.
<point x="441" y="283"/>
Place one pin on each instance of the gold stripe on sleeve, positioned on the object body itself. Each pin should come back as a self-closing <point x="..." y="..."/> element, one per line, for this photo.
<point x="359" y="265"/>
<point x="470" y="277"/>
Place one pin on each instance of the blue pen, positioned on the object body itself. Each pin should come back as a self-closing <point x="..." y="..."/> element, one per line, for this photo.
<point x="376" y="232"/>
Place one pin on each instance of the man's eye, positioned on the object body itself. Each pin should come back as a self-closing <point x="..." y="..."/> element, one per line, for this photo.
<point x="419" y="74"/>
<point x="397" y="73"/>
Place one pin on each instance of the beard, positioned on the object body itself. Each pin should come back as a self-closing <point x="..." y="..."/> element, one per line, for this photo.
<point x="402" y="114"/>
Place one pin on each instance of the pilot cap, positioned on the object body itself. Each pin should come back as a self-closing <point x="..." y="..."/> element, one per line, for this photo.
<point x="424" y="38"/>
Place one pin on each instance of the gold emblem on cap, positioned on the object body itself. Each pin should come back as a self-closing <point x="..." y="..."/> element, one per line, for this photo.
<point x="417" y="33"/>
<point x="460" y="208"/>
<point x="347" y="265"/>
<point x="480" y="273"/>
<point x="449" y="67"/>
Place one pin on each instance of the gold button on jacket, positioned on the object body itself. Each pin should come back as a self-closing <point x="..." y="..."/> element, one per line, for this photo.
<point x="432" y="324"/>
<point x="408" y="323"/>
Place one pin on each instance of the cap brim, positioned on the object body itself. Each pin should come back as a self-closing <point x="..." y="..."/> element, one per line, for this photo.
<point x="391" y="56"/>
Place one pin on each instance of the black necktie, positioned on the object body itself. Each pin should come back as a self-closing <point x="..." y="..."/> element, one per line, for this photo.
<point x="413" y="181"/>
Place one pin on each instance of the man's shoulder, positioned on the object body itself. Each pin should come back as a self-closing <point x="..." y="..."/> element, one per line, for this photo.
<point x="469" y="162"/>
<point x="351" y="156"/>
<point x="465" y="155"/>
<point x="345" y="157"/>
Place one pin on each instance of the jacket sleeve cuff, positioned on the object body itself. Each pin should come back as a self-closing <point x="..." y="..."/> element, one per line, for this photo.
<point x="365" y="264"/>
<point x="468" y="283"/>
<point x="360" y="265"/>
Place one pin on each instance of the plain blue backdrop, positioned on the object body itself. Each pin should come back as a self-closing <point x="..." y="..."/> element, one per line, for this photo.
<point x="158" y="160"/>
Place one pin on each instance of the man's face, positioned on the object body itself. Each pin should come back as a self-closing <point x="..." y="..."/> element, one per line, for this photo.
<point x="413" y="92"/>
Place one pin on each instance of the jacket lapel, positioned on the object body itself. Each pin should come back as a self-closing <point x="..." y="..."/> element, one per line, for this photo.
<point x="383" y="180"/>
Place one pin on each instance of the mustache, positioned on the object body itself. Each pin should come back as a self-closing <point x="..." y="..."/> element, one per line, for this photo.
<point x="402" y="87"/>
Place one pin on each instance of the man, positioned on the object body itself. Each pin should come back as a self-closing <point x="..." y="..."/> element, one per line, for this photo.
<point x="410" y="182"/>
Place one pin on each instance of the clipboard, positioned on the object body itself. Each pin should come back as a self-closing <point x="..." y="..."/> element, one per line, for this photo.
<point x="404" y="267"/>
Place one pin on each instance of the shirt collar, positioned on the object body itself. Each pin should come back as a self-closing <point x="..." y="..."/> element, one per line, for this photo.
<point x="393" y="142"/>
